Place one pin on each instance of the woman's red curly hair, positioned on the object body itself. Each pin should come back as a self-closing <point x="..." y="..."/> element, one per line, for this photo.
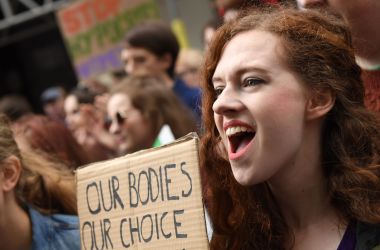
<point x="318" y="50"/>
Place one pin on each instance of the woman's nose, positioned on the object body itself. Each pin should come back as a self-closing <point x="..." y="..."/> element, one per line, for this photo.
<point x="227" y="102"/>
<point x="114" y="127"/>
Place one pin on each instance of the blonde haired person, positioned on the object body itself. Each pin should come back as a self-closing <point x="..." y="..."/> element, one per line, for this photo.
<point x="36" y="199"/>
<point x="188" y="66"/>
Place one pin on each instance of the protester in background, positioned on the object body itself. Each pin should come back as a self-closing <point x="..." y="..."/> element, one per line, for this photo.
<point x="76" y="97"/>
<point x="86" y="122"/>
<point x="139" y="107"/>
<point x="52" y="100"/>
<point x="290" y="154"/>
<point x="229" y="9"/>
<point x="51" y="138"/>
<point x="363" y="17"/>
<point x="36" y="197"/>
<point x="209" y="30"/>
<point x="99" y="87"/>
<point x="15" y="106"/>
<point x="118" y="75"/>
<point x="188" y="66"/>
<point x="152" y="48"/>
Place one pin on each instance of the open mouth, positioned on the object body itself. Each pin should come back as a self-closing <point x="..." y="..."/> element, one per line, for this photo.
<point x="239" y="137"/>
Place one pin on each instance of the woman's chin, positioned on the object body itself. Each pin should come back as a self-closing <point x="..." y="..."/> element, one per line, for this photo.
<point x="245" y="178"/>
<point x="242" y="178"/>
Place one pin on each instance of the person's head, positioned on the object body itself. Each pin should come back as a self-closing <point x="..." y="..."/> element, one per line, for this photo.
<point x="50" y="137"/>
<point x="15" y="106"/>
<point x="322" y="66"/>
<point x="230" y="8"/>
<point x="209" y="30"/>
<point x="338" y="5"/>
<point x="10" y="164"/>
<point x="150" y="48"/>
<point x="352" y="11"/>
<point x="362" y="17"/>
<point x="276" y="82"/>
<point x="78" y="96"/>
<point x="138" y="108"/>
<point x="52" y="100"/>
<point x="29" y="178"/>
<point x="229" y="4"/>
<point x="189" y="65"/>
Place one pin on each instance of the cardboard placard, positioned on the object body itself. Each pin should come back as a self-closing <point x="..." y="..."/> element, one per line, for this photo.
<point x="147" y="200"/>
<point x="93" y="31"/>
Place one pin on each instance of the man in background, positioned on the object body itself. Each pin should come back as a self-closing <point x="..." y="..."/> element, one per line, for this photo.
<point x="152" y="48"/>
<point x="52" y="100"/>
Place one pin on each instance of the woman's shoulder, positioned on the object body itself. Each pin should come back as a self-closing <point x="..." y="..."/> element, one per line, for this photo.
<point x="57" y="231"/>
<point x="65" y="221"/>
<point x="368" y="236"/>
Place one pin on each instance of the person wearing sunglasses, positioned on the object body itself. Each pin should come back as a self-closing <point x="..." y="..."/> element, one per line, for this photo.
<point x="137" y="109"/>
<point x="86" y="122"/>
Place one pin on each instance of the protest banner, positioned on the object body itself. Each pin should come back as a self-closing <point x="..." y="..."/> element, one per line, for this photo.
<point x="147" y="200"/>
<point x="93" y="31"/>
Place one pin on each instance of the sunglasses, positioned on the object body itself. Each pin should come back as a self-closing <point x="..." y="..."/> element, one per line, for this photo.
<point x="120" y="119"/>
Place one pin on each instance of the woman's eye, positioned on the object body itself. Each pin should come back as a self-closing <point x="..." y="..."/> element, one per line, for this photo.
<point x="218" y="91"/>
<point x="252" y="81"/>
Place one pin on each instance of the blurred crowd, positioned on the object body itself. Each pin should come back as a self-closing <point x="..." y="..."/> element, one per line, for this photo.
<point x="123" y="111"/>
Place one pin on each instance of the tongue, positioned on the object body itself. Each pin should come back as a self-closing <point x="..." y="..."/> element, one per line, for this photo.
<point x="243" y="143"/>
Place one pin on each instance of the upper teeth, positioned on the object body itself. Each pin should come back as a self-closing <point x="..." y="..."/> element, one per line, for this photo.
<point x="234" y="130"/>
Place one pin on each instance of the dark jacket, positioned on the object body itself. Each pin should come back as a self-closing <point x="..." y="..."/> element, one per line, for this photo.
<point x="368" y="236"/>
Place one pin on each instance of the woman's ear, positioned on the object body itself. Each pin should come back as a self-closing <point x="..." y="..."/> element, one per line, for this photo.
<point x="319" y="104"/>
<point x="10" y="173"/>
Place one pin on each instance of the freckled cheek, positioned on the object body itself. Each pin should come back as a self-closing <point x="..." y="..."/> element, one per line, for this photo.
<point x="283" y="111"/>
<point x="286" y="122"/>
<point x="286" y="103"/>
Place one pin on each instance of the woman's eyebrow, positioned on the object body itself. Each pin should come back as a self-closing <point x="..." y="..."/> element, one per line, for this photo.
<point x="240" y="72"/>
<point x="244" y="70"/>
<point x="216" y="79"/>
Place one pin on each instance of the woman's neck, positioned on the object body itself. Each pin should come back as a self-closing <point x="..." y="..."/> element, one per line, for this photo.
<point x="300" y="189"/>
<point x="306" y="207"/>
<point x="16" y="231"/>
<point x="303" y="201"/>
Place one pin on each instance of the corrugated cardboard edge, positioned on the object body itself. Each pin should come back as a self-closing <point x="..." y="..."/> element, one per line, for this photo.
<point x="188" y="137"/>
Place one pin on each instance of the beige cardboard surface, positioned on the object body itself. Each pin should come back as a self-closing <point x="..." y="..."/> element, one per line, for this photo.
<point x="147" y="200"/>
